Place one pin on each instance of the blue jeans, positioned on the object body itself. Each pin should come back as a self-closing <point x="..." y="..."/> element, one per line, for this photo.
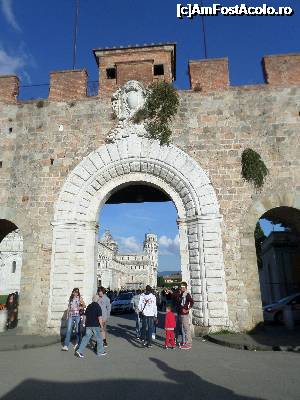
<point x="147" y="329"/>
<point x="90" y="331"/>
<point x="137" y="325"/>
<point x="71" y="321"/>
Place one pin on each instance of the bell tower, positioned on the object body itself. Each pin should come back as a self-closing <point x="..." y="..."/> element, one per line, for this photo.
<point x="151" y="248"/>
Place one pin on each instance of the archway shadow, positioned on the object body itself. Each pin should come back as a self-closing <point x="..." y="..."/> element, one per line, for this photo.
<point x="182" y="385"/>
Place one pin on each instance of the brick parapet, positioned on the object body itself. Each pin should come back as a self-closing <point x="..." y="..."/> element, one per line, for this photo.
<point x="209" y="75"/>
<point x="68" y="85"/>
<point x="282" y="69"/>
<point x="9" y="88"/>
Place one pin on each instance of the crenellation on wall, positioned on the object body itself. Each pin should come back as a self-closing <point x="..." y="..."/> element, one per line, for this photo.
<point x="68" y="85"/>
<point x="9" y="88"/>
<point x="282" y="69"/>
<point x="209" y="74"/>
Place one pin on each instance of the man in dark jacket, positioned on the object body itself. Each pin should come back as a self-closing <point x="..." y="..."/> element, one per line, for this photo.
<point x="186" y="303"/>
<point x="93" y="323"/>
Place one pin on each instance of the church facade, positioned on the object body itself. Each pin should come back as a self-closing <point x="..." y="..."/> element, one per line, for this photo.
<point x="127" y="271"/>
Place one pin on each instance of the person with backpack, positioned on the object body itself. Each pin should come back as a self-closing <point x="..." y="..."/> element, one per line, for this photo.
<point x="148" y="311"/>
<point x="93" y="323"/>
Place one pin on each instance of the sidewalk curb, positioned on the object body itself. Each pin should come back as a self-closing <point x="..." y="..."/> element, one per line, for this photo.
<point x="24" y="346"/>
<point x="251" y="347"/>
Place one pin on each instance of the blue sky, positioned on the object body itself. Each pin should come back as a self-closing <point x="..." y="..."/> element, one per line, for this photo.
<point x="36" y="38"/>
<point x="128" y="224"/>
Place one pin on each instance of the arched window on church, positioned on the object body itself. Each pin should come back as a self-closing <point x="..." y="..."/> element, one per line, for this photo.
<point x="13" y="267"/>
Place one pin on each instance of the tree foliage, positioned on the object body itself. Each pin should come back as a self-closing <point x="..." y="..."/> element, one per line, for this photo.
<point x="254" y="169"/>
<point x="160" y="281"/>
<point x="259" y="237"/>
<point x="160" y="107"/>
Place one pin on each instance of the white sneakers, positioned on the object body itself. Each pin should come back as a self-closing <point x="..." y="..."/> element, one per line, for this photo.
<point x="65" y="348"/>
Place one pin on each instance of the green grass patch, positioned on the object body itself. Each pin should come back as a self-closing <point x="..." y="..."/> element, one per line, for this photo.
<point x="3" y="298"/>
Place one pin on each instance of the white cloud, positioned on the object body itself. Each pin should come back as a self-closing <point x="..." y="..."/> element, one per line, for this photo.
<point x="168" y="246"/>
<point x="129" y="244"/>
<point x="10" y="64"/>
<point x="6" y="6"/>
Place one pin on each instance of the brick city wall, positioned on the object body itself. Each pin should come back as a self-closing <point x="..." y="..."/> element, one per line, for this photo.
<point x="43" y="141"/>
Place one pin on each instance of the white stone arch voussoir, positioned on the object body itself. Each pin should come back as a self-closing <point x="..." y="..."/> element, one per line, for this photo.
<point x="87" y="188"/>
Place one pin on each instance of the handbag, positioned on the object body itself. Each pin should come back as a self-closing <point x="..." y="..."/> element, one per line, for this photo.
<point x="141" y="312"/>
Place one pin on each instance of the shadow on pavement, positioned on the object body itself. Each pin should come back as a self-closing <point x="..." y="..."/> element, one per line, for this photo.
<point x="182" y="385"/>
<point x="275" y="335"/>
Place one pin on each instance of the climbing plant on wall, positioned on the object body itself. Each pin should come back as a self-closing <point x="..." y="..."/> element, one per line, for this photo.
<point x="160" y="107"/>
<point x="254" y="169"/>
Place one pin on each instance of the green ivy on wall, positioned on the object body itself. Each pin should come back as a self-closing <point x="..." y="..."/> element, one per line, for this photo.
<point x="254" y="169"/>
<point x="160" y="106"/>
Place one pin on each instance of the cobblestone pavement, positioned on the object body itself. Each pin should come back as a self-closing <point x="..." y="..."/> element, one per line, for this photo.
<point x="129" y="371"/>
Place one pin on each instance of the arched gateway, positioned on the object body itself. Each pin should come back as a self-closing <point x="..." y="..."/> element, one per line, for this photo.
<point x="135" y="159"/>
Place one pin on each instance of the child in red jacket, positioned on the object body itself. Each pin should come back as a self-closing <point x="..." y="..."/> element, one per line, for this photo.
<point x="170" y="325"/>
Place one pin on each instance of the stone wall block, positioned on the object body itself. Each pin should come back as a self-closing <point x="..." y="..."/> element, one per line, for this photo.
<point x="222" y="322"/>
<point x="82" y="173"/>
<point x="104" y="154"/>
<point x="214" y="313"/>
<point x="135" y="166"/>
<point x="219" y="298"/>
<point x="213" y="258"/>
<point x="113" y="151"/>
<point x="123" y="149"/>
<point x="215" y="289"/>
<point x="212" y="273"/>
<point x="96" y="160"/>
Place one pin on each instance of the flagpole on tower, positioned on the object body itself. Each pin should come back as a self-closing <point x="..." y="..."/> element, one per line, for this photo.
<point x="75" y="33"/>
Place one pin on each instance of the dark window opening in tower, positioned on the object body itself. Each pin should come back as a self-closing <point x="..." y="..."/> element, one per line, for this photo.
<point x="111" y="73"/>
<point x="158" y="69"/>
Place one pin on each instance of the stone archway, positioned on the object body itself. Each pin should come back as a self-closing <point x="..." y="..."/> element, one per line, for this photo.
<point x="90" y="184"/>
<point x="248" y="252"/>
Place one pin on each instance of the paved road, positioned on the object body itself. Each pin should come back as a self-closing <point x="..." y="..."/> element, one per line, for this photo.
<point x="130" y="372"/>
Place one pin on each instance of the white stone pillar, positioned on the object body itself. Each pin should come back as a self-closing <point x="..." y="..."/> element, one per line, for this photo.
<point x="207" y="271"/>
<point x="184" y="251"/>
<point x="73" y="264"/>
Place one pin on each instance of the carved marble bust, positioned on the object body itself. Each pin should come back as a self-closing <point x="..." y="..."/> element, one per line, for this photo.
<point x="126" y="101"/>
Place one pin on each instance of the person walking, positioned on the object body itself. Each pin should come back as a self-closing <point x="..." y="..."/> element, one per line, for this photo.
<point x="186" y="303"/>
<point x="104" y="303"/>
<point x="76" y="304"/>
<point x="170" y="325"/>
<point x="148" y="310"/>
<point x="12" y="310"/>
<point x="136" y="300"/>
<point x="93" y="323"/>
